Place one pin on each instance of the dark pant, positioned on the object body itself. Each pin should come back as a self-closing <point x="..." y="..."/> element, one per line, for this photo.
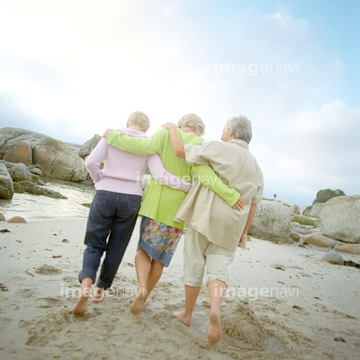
<point x="114" y="214"/>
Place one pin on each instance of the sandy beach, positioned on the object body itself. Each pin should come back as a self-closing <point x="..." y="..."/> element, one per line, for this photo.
<point x="283" y="302"/>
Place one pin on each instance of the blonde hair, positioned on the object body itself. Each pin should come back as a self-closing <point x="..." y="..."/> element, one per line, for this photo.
<point x="240" y="127"/>
<point x="193" y="121"/>
<point x="138" y="118"/>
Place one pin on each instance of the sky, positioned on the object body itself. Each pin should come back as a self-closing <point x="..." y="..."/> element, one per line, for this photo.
<point x="73" y="68"/>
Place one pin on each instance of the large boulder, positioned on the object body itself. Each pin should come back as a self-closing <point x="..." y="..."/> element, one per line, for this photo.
<point x="74" y="147"/>
<point x="6" y="183"/>
<point x="30" y="148"/>
<point x="293" y="208"/>
<point x="271" y="222"/>
<point x="20" y="152"/>
<point x="315" y="209"/>
<point x="11" y="136"/>
<point x="340" y="219"/>
<point x="58" y="160"/>
<point x="89" y="146"/>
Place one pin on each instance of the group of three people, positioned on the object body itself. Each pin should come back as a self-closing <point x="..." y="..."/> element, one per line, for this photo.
<point x="216" y="205"/>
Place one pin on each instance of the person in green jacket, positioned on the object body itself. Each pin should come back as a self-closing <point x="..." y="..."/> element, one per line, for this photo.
<point x="159" y="234"/>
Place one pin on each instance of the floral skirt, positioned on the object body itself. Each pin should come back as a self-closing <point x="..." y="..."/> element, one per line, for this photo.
<point x="158" y="239"/>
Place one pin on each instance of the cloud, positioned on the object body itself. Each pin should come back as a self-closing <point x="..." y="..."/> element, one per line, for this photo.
<point x="319" y="149"/>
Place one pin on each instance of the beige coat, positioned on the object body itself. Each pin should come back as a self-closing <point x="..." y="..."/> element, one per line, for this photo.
<point x="205" y="211"/>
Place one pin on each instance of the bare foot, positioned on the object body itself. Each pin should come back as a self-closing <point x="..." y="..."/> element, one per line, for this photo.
<point x="139" y="302"/>
<point x="81" y="305"/>
<point x="181" y="316"/>
<point x="98" y="295"/>
<point x="214" y="330"/>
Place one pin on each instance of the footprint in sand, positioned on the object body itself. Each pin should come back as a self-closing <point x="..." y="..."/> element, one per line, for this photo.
<point x="47" y="270"/>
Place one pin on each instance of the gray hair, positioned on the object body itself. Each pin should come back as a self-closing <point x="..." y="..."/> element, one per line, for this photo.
<point x="240" y="127"/>
<point x="140" y="119"/>
<point x="193" y="121"/>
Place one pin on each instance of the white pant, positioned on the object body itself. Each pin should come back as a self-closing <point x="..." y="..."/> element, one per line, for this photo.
<point x="200" y="253"/>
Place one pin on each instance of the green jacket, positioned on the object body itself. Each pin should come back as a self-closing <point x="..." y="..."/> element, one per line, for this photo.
<point x="161" y="202"/>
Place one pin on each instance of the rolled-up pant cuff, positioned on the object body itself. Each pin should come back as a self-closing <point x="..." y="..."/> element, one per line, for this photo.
<point x="191" y="281"/>
<point x="102" y="285"/>
<point x="219" y="278"/>
<point x="87" y="273"/>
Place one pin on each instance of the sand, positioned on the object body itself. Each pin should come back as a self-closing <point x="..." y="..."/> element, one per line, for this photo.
<point x="283" y="302"/>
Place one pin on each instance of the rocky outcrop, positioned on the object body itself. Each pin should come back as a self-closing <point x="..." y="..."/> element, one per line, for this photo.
<point x="19" y="172"/>
<point x="315" y="209"/>
<point x="18" y="153"/>
<point x="348" y="248"/>
<point x="89" y="146"/>
<point x="271" y="222"/>
<point x="293" y="208"/>
<point x="340" y="219"/>
<point x="6" y="183"/>
<point x="74" y="147"/>
<point x="320" y="240"/>
<point x="303" y="229"/>
<point x="33" y="188"/>
<point x="22" y="179"/>
<point x="58" y="161"/>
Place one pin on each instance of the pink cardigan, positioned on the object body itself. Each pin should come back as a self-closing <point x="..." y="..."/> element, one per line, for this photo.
<point x="123" y="172"/>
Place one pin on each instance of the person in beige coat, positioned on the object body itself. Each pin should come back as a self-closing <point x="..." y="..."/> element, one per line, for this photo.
<point x="214" y="229"/>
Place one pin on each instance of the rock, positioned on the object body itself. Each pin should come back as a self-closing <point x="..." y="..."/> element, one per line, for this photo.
<point x="2" y="217"/>
<point x="18" y="188"/>
<point x="11" y="136"/>
<point x="320" y="240"/>
<point x="36" y="170"/>
<point x="293" y="208"/>
<point x="303" y="220"/>
<point x="348" y="248"/>
<point x="18" y="153"/>
<point x="58" y="161"/>
<point x="315" y="209"/>
<point x="271" y="222"/>
<point x="303" y="229"/>
<point x="333" y="257"/>
<point x="6" y="183"/>
<point x="74" y="147"/>
<point x="294" y="236"/>
<point x="19" y="172"/>
<point x="35" y="189"/>
<point x="89" y="146"/>
<point x="17" y="220"/>
<point x="340" y="219"/>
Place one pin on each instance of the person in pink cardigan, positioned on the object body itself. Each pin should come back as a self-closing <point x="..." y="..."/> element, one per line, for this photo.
<point x="115" y="207"/>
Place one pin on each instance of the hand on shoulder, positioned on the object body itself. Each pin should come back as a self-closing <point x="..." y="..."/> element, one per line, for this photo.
<point x="107" y="132"/>
<point x="169" y="126"/>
